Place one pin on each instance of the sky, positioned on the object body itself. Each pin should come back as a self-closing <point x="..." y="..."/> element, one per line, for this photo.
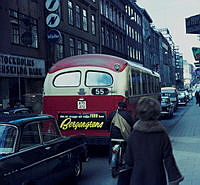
<point x="171" y="14"/>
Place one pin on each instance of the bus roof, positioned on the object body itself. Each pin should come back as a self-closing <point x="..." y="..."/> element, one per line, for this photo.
<point x="98" y="60"/>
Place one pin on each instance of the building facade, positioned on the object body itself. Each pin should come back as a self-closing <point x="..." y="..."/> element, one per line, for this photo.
<point x="121" y="29"/>
<point x="22" y="50"/>
<point x="36" y="34"/>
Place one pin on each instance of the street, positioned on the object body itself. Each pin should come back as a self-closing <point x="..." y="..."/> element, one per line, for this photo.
<point x="184" y="132"/>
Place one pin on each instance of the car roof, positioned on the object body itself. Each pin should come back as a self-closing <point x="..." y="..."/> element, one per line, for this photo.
<point x="22" y="119"/>
<point x="166" y="97"/>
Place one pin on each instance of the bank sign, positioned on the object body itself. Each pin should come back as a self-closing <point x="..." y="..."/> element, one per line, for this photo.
<point x="18" y="66"/>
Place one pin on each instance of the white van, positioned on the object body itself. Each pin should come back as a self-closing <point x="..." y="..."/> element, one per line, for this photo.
<point x="172" y="93"/>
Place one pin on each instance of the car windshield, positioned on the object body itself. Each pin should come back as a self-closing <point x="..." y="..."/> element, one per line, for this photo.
<point x="181" y="94"/>
<point x="164" y="100"/>
<point x="169" y="94"/>
<point x="8" y="135"/>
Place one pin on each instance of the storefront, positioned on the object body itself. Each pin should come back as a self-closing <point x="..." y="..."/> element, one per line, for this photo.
<point x="21" y="78"/>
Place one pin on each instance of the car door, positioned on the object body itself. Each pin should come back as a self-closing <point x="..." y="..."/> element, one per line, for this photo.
<point x="32" y="154"/>
<point x="59" y="158"/>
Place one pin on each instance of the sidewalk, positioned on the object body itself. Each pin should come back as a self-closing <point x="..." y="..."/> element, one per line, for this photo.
<point x="185" y="137"/>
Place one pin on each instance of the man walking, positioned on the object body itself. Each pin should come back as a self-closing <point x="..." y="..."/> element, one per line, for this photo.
<point x="197" y="97"/>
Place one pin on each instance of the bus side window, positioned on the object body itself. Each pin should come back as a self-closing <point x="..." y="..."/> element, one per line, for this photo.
<point x="144" y="83"/>
<point x="148" y="83"/>
<point x="130" y="85"/>
<point x="153" y="84"/>
<point x="138" y="83"/>
<point x="157" y="85"/>
<point x="134" y="82"/>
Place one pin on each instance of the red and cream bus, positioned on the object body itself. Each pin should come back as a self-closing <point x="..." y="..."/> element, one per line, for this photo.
<point x="81" y="91"/>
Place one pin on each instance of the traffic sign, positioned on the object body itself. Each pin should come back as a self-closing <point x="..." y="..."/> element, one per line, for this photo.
<point x="52" y="5"/>
<point x="53" y="35"/>
<point x="196" y="53"/>
<point x="52" y="20"/>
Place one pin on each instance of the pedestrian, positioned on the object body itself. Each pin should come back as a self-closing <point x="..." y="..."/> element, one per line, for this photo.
<point x="197" y="96"/>
<point x="116" y="130"/>
<point x="18" y="104"/>
<point x="8" y="106"/>
<point x="121" y="124"/>
<point x="149" y="150"/>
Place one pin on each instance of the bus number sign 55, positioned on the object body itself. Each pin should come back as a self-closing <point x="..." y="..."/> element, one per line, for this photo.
<point x="100" y="91"/>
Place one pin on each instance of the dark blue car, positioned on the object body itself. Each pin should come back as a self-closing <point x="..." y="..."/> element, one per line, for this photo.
<point x="33" y="152"/>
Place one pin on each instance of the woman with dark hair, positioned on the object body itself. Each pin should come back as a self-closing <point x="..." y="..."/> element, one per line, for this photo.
<point x="149" y="150"/>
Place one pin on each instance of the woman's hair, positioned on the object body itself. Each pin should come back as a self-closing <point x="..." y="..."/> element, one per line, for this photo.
<point x="148" y="109"/>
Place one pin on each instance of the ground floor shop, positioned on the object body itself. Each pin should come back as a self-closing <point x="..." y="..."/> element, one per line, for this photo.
<point x="21" y="78"/>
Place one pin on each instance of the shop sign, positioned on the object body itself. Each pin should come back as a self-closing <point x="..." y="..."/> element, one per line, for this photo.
<point x="52" y="5"/>
<point x="53" y="35"/>
<point x="52" y="20"/>
<point x="18" y="66"/>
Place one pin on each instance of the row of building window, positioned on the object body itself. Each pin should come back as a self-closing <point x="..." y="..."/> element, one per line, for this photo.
<point x="115" y="15"/>
<point x="133" y="34"/>
<point x="112" y="13"/>
<point x="79" y="17"/>
<point x="76" y="47"/>
<point x="134" y="53"/>
<point x="112" y="39"/>
<point x="133" y="15"/>
<point x="24" y="29"/>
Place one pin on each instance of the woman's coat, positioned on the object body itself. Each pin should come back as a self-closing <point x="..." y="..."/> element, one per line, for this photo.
<point x="149" y="152"/>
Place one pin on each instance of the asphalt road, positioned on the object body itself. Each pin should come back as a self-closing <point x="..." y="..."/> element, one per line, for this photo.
<point x="97" y="170"/>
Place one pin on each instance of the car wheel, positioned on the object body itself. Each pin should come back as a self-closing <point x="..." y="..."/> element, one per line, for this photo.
<point x="77" y="169"/>
<point x="114" y="172"/>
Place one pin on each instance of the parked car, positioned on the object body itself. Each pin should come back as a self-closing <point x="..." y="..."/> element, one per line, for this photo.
<point x="182" y="98"/>
<point x="186" y="94"/>
<point x="33" y="152"/>
<point x="172" y="93"/>
<point x="167" y="107"/>
<point x="23" y="110"/>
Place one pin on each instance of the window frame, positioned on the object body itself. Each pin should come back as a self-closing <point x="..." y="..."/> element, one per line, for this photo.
<point x="97" y="72"/>
<point x="53" y="82"/>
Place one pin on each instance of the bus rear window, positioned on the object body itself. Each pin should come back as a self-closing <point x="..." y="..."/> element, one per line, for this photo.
<point x="70" y="79"/>
<point x="97" y="78"/>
